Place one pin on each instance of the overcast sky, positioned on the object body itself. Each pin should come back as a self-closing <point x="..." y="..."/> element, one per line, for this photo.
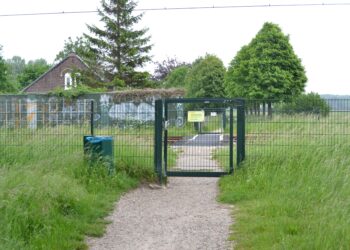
<point x="320" y="35"/>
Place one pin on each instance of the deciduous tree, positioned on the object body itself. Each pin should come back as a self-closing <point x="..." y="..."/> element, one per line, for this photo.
<point x="206" y="77"/>
<point x="267" y="68"/>
<point x="16" y="66"/>
<point x="177" y="77"/>
<point x="32" y="71"/>
<point x="5" y="85"/>
<point x="79" y="46"/>
<point x="165" y="67"/>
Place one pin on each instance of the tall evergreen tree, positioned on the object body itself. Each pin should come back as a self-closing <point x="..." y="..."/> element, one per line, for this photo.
<point x="120" y="48"/>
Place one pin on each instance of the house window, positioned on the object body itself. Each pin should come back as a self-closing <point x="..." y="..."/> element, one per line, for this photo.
<point x="68" y="81"/>
<point x="71" y="82"/>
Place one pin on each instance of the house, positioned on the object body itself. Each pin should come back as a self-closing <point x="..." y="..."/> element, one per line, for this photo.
<point x="59" y="75"/>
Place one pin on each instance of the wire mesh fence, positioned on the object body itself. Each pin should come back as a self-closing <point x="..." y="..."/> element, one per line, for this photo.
<point x="34" y="130"/>
<point x="132" y="127"/>
<point x="31" y="131"/>
<point x="198" y="133"/>
<point x="273" y="126"/>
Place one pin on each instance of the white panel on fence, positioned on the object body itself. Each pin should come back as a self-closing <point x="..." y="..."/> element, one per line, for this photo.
<point x="31" y="114"/>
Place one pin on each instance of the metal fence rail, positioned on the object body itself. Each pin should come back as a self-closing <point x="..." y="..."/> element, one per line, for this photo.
<point x="273" y="126"/>
<point x="33" y="131"/>
<point x="132" y="128"/>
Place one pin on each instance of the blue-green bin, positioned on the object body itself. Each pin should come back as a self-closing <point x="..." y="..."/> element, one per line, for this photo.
<point x="100" y="148"/>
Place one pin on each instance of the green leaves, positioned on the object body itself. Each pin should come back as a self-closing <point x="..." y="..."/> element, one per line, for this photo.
<point x="5" y="85"/>
<point x="266" y="68"/>
<point x="176" y="78"/>
<point x="206" y="78"/>
<point x="308" y="104"/>
<point x="32" y="71"/>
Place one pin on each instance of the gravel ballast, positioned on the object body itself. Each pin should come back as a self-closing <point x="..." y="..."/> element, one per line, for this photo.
<point x="184" y="215"/>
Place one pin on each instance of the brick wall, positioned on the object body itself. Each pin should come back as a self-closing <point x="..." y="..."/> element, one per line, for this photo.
<point x="55" y="76"/>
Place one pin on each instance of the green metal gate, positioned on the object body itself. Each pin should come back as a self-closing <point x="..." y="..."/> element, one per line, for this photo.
<point x="198" y="137"/>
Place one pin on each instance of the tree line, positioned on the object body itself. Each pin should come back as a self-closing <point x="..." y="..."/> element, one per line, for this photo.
<point x="266" y="68"/>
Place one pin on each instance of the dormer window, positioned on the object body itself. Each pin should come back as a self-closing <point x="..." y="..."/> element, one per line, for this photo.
<point x="68" y="81"/>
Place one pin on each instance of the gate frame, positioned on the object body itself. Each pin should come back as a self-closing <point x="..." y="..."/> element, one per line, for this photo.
<point x="161" y="115"/>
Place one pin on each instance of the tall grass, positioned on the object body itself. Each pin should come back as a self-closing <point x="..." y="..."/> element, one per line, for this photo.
<point x="292" y="193"/>
<point x="51" y="197"/>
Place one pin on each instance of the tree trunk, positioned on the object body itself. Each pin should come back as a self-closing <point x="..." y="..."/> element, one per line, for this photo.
<point x="264" y="108"/>
<point x="269" y="109"/>
<point x="255" y="109"/>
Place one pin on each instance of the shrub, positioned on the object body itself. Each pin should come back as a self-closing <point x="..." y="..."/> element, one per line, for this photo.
<point x="310" y="103"/>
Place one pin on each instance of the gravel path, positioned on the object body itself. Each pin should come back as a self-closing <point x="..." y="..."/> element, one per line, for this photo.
<point x="196" y="159"/>
<point x="185" y="215"/>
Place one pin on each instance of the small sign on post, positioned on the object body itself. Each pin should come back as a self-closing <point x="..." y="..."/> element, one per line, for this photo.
<point x="195" y="116"/>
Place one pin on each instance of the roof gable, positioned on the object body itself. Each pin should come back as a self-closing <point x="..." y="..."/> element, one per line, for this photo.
<point x="71" y="55"/>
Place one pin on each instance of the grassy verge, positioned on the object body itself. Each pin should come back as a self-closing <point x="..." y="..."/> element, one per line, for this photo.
<point x="297" y="202"/>
<point x="50" y="198"/>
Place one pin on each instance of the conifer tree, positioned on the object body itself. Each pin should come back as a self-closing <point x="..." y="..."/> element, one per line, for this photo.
<point x="120" y="49"/>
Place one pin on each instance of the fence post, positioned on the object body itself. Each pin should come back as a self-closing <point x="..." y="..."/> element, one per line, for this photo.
<point x="240" y="131"/>
<point x="231" y="141"/>
<point x="158" y="130"/>
<point x="92" y="131"/>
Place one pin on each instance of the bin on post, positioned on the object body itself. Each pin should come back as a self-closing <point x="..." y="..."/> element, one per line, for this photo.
<point x="100" y="148"/>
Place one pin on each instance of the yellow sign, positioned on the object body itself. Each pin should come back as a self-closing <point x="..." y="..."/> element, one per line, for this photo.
<point x="195" y="116"/>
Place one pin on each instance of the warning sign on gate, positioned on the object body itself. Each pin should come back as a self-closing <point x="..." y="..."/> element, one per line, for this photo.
<point x="195" y="116"/>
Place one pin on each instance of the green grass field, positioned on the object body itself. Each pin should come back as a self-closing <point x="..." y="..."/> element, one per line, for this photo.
<point x="293" y="190"/>
<point x="51" y="197"/>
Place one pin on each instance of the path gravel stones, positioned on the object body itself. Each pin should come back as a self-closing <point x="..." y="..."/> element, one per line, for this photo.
<point x="185" y="215"/>
<point x="196" y="159"/>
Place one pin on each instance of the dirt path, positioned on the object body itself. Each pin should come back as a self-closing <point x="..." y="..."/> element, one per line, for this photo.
<point x="183" y="216"/>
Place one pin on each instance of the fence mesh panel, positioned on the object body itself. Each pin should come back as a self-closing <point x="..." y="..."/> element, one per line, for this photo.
<point x="272" y="125"/>
<point x="132" y="127"/>
<point x="34" y="130"/>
